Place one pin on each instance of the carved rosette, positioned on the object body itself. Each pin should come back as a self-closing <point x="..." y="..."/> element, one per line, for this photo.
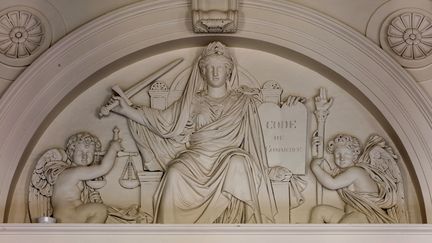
<point x="24" y="34"/>
<point x="410" y="35"/>
<point x="21" y="33"/>
<point x="406" y="34"/>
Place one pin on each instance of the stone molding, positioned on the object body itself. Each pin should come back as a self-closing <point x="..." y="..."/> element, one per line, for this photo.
<point x="221" y="233"/>
<point x="139" y="26"/>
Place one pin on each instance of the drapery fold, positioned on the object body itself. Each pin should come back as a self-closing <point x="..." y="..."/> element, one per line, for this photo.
<point x="213" y="155"/>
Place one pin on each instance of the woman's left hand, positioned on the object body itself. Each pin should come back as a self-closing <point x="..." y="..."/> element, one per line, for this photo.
<point x="294" y="100"/>
<point x="279" y="173"/>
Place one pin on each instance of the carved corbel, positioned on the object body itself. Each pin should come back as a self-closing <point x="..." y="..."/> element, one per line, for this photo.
<point x="210" y="16"/>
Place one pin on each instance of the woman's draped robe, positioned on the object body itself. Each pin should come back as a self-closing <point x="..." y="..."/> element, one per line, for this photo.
<point x="202" y="182"/>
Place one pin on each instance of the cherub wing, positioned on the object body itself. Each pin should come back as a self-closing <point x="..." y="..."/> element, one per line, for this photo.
<point x="48" y="167"/>
<point x="383" y="160"/>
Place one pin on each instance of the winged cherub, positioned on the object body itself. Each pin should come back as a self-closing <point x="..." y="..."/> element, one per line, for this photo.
<point x="369" y="183"/>
<point x="58" y="181"/>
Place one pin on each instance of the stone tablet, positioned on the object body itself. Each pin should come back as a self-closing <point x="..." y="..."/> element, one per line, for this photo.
<point x="285" y="134"/>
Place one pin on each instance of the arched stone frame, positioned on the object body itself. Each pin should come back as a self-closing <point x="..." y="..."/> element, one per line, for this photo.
<point x="278" y="23"/>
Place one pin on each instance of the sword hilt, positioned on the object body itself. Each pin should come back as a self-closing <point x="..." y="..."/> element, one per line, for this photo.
<point x="106" y="109"/>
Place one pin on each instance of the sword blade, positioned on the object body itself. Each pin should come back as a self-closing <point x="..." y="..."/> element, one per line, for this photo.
<point x="135" y="89"/>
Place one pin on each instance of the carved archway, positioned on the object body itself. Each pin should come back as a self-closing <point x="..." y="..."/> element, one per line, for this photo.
<point x="148" y="26"/>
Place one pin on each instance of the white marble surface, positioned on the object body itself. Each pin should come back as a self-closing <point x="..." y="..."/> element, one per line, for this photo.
<point x="376" y="78"/>
<point x="21" y="233"/>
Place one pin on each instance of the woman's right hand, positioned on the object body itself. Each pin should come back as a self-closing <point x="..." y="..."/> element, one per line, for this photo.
<point x="122" y="106"/>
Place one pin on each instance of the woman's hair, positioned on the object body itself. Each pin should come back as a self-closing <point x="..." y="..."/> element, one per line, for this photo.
<point x="352" y="143"/>
<point x="81" y="137"/>
<point x="219" y="50"/>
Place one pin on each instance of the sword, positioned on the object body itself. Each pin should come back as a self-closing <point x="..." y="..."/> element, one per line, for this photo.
<point x="135" y="89"/>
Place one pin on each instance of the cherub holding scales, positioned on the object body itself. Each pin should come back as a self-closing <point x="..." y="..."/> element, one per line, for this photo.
<point x="60" y="177"/>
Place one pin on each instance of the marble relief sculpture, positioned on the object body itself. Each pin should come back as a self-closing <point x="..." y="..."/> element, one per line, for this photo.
<point x="368" y="181"/>
<point x="64" y="183"/>
<point x="210" y="146"/>
<point x="219" y="152"/>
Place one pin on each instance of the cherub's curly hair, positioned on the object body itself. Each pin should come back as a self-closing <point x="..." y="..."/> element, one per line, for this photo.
<point x="348" y="141"/>
<point x="83" y="137"/>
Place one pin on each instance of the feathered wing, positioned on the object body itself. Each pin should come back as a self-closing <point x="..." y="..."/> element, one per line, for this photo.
<point x="44" y="176"/>
<point x="384" y="170"/>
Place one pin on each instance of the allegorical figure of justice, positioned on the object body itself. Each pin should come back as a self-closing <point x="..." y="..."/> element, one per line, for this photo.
<point x="209" y="144"/>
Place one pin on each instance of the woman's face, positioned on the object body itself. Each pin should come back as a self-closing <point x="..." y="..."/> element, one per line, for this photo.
<point x="216" y="71"/>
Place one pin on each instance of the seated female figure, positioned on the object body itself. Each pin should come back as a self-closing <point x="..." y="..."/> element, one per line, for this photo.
<point x="211" y="142"/>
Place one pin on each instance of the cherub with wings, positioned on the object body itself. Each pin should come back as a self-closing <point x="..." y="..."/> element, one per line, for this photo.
<point x="60" y="178"/>
<point x="369" y="183"/>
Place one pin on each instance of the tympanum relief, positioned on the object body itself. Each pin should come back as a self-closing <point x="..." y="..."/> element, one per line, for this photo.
<point x="223" y="150"/>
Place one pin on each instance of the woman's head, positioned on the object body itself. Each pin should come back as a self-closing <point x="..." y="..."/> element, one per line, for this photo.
<point x="346" y="150"/>
<point x="216" y="64"/>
